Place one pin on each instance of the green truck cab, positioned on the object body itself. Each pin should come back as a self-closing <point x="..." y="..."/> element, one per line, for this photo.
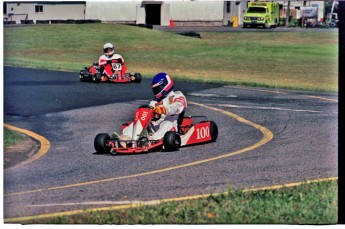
<point x="264" y="14"/>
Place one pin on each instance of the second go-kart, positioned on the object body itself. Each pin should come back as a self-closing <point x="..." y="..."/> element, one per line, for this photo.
<point x="114" y="71"/>
<point x="188" y="133"/>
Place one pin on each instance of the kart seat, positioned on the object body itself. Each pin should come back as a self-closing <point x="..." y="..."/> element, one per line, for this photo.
<point x="180" y="119"/>
<point x="179" y="122"/>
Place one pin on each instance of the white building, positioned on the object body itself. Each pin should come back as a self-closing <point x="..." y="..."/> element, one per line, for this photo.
<point x="21" y="11"/>
<point x="187" y="12"/>
<point x="181" y="12"/>
<point x="215" y="13"/>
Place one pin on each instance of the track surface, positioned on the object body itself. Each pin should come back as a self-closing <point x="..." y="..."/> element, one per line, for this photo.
<point x="304" y="127"/>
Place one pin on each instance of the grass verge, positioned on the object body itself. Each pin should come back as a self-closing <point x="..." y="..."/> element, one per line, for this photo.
<point x="12" y="137"/>
<point x="298" y="60"/>
<point x="313" y="203"/>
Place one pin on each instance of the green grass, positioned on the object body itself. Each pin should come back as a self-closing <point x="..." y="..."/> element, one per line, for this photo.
<point x="296" y="60"/>
<point x="12" y="137"/>
<point x="314" y="203"/>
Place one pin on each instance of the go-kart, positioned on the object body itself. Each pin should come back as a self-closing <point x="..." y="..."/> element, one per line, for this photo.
<point x="188" y="133"/>
<point x="113" y="71"/>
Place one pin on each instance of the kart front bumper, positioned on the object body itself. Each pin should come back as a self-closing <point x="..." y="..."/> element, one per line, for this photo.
<point x="133" y="146"/>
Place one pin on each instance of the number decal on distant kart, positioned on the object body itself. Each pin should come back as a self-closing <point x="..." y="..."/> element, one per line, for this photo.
<point x="203" y="132"/>
<point x="117" y="66"/>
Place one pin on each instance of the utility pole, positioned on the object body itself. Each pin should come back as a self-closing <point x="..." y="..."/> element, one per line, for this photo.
<point x="287" y="14"/>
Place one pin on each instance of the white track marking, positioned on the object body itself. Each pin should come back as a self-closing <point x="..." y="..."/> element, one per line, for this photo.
<point x="212" y="95"/>
<point x="270" y="108"/>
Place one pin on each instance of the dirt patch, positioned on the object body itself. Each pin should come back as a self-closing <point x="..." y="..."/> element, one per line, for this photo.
<point x="17" y="153"/>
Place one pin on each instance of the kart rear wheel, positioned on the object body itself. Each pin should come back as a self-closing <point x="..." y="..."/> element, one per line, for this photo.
<point x="96" y="78"/>
<point x="100" y="143"/>
<point x="137" y="77"/>
<point x="213" y="131"/>
<point x="171" y="141"/>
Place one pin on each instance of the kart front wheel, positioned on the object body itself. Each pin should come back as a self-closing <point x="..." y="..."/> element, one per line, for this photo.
<point x="137" y="78"/>
<point x="171" y="141"/>
<point x="82" y="75"/>
<point x="100" y="143"/>
<point x="96" y="78"/>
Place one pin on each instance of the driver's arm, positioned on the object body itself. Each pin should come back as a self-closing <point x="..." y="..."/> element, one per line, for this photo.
<point x="177" y="106"/>
<point x="102" y="61"/>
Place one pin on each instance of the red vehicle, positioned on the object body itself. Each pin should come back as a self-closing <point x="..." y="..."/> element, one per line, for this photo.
<point x="113" y="71"/>
<point x="189" y="133"/>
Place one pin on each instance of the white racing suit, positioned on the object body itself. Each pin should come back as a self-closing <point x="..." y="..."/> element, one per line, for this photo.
<point x="103" y="59"/>
<point x="175" y="103"/>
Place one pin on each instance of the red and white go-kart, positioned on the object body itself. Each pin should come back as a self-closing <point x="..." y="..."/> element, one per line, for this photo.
<point x="188" y="133"/>
<point x="113" y="71"/>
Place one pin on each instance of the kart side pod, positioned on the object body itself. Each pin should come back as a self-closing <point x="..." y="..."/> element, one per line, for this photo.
<point x="205" y="131"/>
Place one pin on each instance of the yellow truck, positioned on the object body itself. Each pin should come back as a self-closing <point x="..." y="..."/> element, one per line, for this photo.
<point x="264" y="14"/>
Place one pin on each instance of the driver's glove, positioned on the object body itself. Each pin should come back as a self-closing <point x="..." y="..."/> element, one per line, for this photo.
<point x="160" y="110"/>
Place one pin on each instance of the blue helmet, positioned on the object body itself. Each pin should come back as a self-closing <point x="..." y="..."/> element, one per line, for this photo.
<point x="162" y="84"/>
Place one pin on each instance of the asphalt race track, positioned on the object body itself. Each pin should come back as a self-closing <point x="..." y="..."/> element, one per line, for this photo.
<point x="266" y="137"/>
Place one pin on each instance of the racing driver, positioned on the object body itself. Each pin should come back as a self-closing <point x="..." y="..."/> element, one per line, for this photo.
<point x="167" y="105"/>
<point x="109" y="57"/>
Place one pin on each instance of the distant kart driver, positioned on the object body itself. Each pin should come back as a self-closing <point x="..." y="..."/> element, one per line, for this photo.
<point x="167" y="105"/>
<point x="105" y="61"/>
